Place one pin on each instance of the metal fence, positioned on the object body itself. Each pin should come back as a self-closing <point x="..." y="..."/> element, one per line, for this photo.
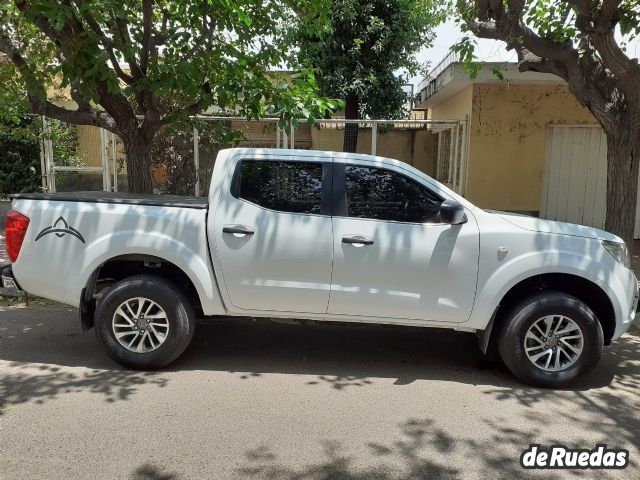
<point x="436" y="147"/>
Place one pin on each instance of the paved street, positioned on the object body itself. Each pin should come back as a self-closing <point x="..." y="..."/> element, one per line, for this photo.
<point x="280" y="402"/>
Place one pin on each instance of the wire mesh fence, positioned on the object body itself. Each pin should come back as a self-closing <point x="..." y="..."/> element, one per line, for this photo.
<point x="183" y="162"/>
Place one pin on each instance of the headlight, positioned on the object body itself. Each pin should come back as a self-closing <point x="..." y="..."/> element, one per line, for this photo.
<point x="619" y="251"/>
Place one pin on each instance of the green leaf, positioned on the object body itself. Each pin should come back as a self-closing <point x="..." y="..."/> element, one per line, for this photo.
<point x="246" y="19"/>
<point x="365" y="50"/>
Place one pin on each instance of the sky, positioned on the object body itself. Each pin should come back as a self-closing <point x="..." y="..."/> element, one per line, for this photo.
<point x="487" y="50"/>
<point x="446" y="35"/>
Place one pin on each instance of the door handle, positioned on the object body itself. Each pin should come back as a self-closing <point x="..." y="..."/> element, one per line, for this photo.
<point x="238" y="229"/>
<point x="357" y="240"/>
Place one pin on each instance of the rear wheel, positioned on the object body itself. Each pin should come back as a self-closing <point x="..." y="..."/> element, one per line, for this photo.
<point x="550" y="339"/>
<point x="144" y="322"/>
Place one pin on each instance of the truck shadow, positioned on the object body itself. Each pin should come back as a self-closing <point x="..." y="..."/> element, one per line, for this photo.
<point x="351" y="356"/>
<point x="340" y="356"/>
<point x="38" y="349"/>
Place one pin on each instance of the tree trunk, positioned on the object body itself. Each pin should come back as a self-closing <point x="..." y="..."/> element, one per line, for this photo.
<point x="351" y="112"/>
<point x="623" y="157"/>
<point x="138" y="164"/>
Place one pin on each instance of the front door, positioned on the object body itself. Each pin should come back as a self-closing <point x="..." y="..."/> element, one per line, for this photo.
<point x="392" y="256"/>
<point x="273" y="234"/>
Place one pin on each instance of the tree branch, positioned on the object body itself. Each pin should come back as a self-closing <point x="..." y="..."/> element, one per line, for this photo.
<point x="609" y="16"/>
<point x="505" y="25"/>
<point x="76" y="96"/>
<point x="128" y="79"/>
<point x="22" y="66"/>
<point x="106" y="42"/>
<point x="120" y="28"/>
<point x="206" y="33"/>
<point x="192" y="109"/>
<point x="587" y="6"/>
<point x="147" y="20"/>
<point x="36" y="94"/>
<point x="624" y="69"/>
<point x="585" y="73"/>
<point x="542" y="65"/>
<point x="65" y="38"/>
<point x="76" y="117"/>
<point x="598" y="27"/>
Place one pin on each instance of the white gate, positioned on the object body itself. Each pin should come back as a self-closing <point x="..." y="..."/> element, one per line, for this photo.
<point x="108" y="156"/>
<point x="575" y="176"/>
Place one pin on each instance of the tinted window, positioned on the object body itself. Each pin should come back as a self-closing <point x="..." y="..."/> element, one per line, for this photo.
<point x="384" y="195"/>
<point x="285" y="186"/>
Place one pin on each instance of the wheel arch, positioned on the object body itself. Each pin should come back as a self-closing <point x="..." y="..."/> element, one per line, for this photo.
<point x="583" y="289"/>
<point x="122" y="266"/>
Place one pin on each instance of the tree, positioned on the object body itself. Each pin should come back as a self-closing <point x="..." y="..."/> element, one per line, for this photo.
<point x="134" y="67"/>
<point x="576" y="40"/>
<point x="20" y="136"/>
<point x="365" y="53"/>
<point x="173" y="151"/>
<point x="19" y="159"/>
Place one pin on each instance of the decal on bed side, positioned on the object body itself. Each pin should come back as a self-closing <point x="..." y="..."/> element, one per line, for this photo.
<point x="60" y="228"/>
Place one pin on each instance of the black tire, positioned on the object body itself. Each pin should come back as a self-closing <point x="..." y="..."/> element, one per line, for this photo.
<point x="179" y="313"/>
<point x="511" y="339"/>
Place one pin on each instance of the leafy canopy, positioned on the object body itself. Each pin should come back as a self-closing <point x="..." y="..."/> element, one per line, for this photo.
<point x="367" y="51"/>
<point x="538" y="27"/>
<point x="160" y="59"/>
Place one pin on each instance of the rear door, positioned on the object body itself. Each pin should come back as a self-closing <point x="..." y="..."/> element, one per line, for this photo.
<point x="393" y="258"/>
<point x="273" y="234"/>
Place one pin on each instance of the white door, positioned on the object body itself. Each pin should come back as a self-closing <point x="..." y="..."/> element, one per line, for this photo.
<point x="273" y="235"/>
<point x="392" y="259"/>
<point x="574" y="186"/>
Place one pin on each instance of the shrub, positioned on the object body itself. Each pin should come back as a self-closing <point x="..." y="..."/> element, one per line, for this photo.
<point x="19" y="157"/>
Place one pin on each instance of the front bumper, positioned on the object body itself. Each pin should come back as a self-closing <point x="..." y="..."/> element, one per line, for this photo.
<point x="9" y="285"/>
<point x="630" y="316"/>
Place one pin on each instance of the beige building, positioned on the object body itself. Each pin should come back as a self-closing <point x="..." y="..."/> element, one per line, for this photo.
<point x="529" y="145"/>
<point x="508" y="127"/>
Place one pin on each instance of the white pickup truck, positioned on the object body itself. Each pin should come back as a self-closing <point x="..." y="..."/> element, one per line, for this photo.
<point x="292" y="234"/>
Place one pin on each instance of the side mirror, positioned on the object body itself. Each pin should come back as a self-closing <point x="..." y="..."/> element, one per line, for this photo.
<point x="452" y="212"/>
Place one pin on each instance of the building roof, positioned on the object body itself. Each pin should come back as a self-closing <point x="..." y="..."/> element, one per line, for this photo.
<point x="449" y="78"/>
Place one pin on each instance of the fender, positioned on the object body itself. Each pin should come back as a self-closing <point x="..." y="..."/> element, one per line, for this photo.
<point x="493" y="288"/>
<point x="140" y="242"/>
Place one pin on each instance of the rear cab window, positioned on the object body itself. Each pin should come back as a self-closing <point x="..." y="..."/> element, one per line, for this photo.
<point x="281" y="185"/>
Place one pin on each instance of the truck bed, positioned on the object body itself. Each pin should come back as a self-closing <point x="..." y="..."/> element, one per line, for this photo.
<point x="119" y="198"/>
<point x="91" y="228"/>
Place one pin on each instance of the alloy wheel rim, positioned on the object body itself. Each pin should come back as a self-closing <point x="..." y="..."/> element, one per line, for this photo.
<point x="553" y="343"/>
<point x="140" y="325"/>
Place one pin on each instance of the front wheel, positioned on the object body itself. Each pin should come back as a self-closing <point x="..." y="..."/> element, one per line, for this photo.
<point x="144" y="322"/>
<point x="550" y="339"/>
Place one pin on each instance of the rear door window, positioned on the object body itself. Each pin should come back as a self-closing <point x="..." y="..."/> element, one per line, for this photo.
<point x="285" y="186"/>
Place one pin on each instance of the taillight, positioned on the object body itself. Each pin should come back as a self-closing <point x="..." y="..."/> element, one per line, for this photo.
<point x="16" y="228"/>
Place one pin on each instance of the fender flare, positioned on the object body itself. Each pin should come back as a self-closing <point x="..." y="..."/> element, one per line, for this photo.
<point x="192" y="263"/>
